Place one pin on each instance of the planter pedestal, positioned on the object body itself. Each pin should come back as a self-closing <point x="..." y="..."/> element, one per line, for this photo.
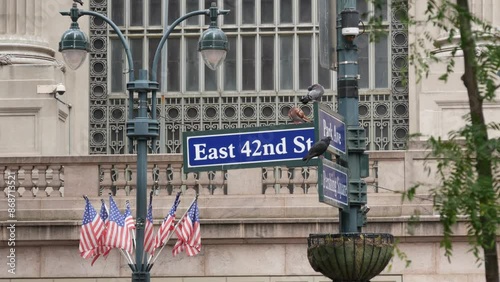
<point x="350" y="257"/>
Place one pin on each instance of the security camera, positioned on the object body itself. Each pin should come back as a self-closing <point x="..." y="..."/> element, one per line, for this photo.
<point x="60" y="89"/>
<point x="350" y="22"/>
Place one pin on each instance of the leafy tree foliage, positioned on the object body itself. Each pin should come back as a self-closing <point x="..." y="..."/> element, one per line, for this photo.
<point x="468" y="160"/>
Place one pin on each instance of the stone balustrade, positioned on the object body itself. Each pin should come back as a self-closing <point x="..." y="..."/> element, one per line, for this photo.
<point x="97" y="175"/>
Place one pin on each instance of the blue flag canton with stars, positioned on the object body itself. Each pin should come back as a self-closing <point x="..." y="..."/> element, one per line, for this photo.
<point x="104" y="213"/>
<point x="127" y="210"/>
<point x="194" y="213"/>
<point x="114" y="213"/>
<point x="174" y="207"/>
<point x="149" y="216"/>
<point x="89" y="214"/>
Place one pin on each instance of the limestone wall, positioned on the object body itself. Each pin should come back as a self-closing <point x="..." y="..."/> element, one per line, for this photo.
<point x="249" y="233"/>
<point x="32" y="121"/>
<point x="437" y="107"/>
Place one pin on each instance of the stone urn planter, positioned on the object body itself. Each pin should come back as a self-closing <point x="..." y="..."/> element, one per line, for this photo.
<point x="350" y="256"/>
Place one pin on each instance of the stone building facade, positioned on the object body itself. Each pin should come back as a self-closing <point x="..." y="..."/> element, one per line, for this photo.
<point x="254" y="221"/>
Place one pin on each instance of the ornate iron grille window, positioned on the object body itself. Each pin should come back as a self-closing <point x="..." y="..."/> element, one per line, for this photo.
<point x="383" y="104"/>
<point x="272" y="59"/>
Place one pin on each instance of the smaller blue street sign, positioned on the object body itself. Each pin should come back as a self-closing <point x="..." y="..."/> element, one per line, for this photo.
<point x="329" y="123"/>
<point x="333" y="184"/>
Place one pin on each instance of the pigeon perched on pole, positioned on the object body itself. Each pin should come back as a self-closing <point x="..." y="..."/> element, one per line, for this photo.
<point x="318" y="149"/>
<point x="297" y="115"/>
<point x="78" y="1"/>
<point x="315" y="93"/>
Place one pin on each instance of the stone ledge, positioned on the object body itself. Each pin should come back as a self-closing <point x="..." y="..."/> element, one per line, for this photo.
<point x="265" y="212"/>
<point x="222" y="207"/>
<point x="241" y="230"/>
<point x="82" y="160"/>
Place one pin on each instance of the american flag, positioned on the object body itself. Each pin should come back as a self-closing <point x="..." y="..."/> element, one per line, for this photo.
<point x="149" y="237"/>
<point x="188" y="232"/>
<point x="117" y="235"/>
<point x="129" y="220"/>
<point x="167" y="225"/>
<point x="194" y="244"/>
<point x="101" y="249"/>
<point x="91" y="230"/>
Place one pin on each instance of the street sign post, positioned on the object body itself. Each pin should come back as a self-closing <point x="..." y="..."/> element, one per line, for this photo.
<point x="247" y="147"/>
<point x="333" y="184"/>
<point x="329" y="123"/>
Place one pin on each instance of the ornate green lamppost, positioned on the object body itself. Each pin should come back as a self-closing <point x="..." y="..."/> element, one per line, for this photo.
<point x="350" y="255"/>
<point x="74" y="45"/>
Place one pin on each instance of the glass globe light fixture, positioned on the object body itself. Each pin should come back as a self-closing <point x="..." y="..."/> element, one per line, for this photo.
<point x="213" y="46"/>
<point x="74" y="46"/>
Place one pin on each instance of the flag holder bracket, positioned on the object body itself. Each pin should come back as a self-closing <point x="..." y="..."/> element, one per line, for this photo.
<point x="141" y="276"/>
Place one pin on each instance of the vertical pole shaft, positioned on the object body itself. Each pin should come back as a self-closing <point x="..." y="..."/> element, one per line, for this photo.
<point x="162" y="125"/>
<point x="348" y="100"/>
<point x="142" y="151"/>
<point x="153" y="117"/>
<point x="141" y="200"/>
<point x="130" y="105"/>
<point x="141" y="273"/>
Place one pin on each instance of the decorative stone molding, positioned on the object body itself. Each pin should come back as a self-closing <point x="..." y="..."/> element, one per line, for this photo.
<point x="5" y="59"/>
<point x="25" y="53"/>
<point x="21" y="34"/>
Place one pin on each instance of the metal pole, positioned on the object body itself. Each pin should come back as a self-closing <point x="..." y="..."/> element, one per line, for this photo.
<point x="141" y="200"/>
<point x="142" y="128"/>
<point x="351" y="219"/>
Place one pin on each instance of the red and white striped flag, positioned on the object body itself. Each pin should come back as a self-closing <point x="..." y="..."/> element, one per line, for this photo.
<point x="194" y="243"/>
<point x="129" y="220"/>
<point x="117" y="235"/>
<point x="91" y="231"/>
<point x="149" y="237"/>
<point x="101" y="249"/>
<point x="167" y="225"/>
<point x="188" y="233"/>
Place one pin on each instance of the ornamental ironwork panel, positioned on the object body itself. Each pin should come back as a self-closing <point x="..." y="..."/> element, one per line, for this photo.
<point x="383" y="114"/>
<point x="99" y="139"/>
<point x="399" y="107"/>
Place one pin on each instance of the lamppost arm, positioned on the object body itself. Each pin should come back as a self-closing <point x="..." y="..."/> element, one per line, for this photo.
<point x="172" y="27"/>
<point x="165" y="36"/>
<point x="76" y="13"/>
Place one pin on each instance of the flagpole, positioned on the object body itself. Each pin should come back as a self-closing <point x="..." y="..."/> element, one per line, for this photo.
<point x="176" y="203"/>
<point x="150" y="265"/>
<point x="132" y="232"/>
<point x="128" y="258"/>
<point x="145" y="254"/>
<point x="133" y="238"/>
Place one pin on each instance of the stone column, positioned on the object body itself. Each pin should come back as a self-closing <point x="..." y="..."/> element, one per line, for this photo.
<point x="20" y="33"/>
<point x="32" y="122"/>
<point x="438" y="106"/>
<point x="486" y="10"/>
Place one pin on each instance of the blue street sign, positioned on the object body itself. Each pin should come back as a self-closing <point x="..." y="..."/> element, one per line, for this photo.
<point x="333" y="184"/>
<point x="247" y="147"/>
<point x="329" y="123"/>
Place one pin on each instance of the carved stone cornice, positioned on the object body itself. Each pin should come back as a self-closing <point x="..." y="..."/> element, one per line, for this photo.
<point x="5" y="59"/>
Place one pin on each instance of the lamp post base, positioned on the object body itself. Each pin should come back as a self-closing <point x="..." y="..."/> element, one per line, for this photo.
<point x="141" y="277"/>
